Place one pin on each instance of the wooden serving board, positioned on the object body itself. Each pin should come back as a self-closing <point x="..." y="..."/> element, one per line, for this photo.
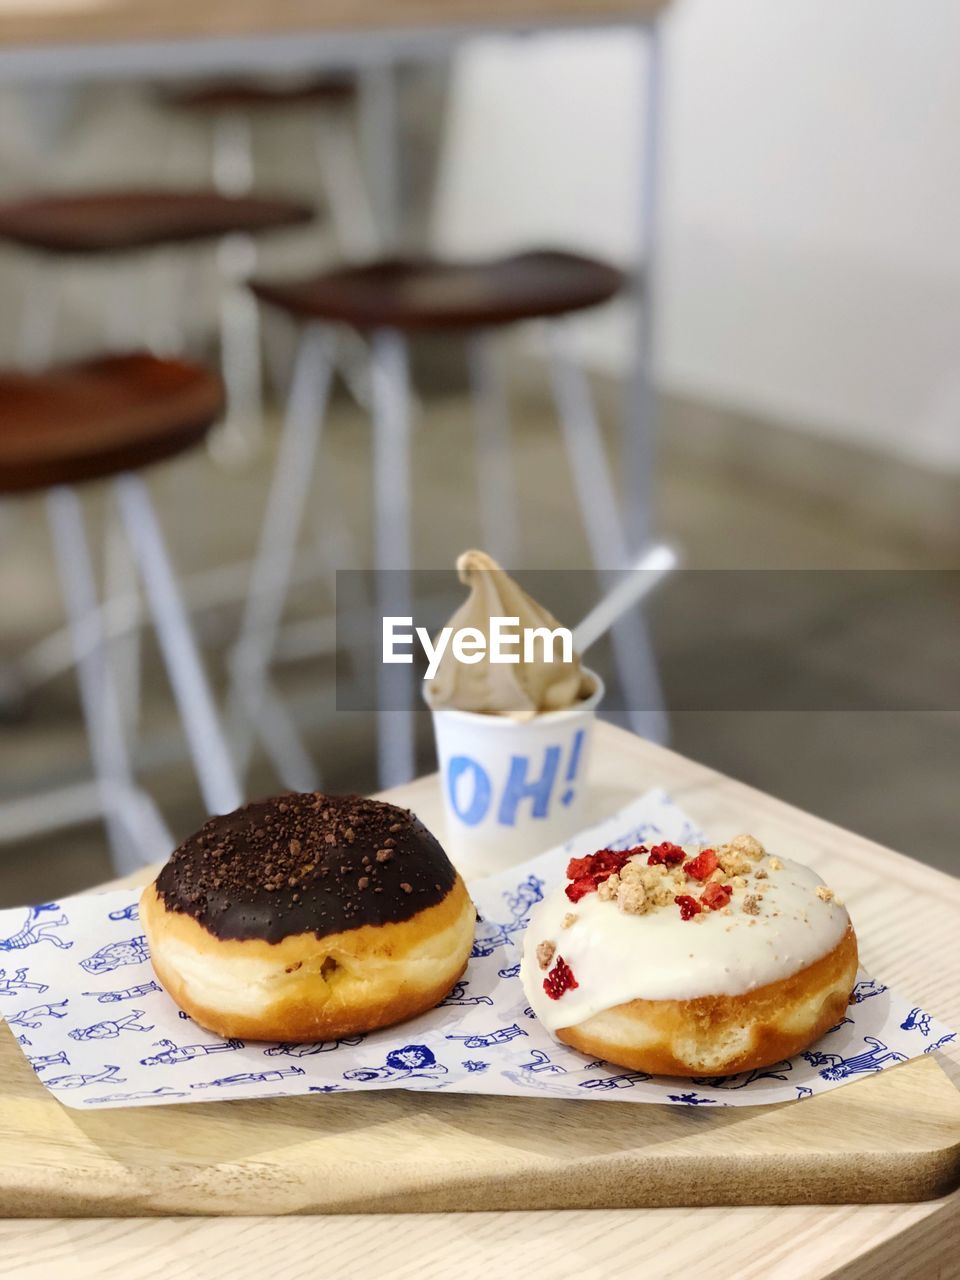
<point x="406" y="1152"/>
<point x="891" y="1137"/>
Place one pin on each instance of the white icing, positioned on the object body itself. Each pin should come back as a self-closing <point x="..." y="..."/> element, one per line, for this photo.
<point x="617" y="957"/>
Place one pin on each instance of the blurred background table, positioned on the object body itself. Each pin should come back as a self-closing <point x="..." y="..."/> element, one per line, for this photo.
<point x="57" y="21"/>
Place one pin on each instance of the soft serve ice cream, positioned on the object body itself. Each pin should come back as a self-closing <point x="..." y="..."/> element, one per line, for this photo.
<point x="541" y="679"/>
<point x="513" y="737"/>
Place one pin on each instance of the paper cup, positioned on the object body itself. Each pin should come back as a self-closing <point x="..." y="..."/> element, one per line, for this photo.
<point x="512" y="788"/>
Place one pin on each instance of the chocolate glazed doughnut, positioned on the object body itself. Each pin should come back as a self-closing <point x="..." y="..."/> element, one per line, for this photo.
<point x="308" y="917"/>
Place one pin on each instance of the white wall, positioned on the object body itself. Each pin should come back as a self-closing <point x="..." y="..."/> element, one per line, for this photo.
<point x="810" y="211"/>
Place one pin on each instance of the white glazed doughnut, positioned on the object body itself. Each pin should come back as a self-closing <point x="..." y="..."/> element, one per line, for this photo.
<point x="702" y="962"/>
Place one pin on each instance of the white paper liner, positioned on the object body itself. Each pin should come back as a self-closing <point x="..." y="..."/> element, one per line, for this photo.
<point x="79" y="994"/>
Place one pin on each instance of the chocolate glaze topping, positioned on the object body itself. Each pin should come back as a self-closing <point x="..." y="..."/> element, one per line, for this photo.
<point x="306" y="863"/>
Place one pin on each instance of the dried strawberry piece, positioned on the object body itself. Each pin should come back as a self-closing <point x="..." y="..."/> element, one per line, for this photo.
<point x="586" y="873"/>
<point x="703" y="865"/>
<point x="667" y="854"/>
<point x="604" y="861"/>
<point x="715" y="896"/>
<point x="559" y="979"/>
<point x="578" y="889"/>
<point x="689" y="907"/>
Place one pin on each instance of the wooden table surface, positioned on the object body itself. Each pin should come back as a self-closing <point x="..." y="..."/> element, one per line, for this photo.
<point x="907" y="918"/>
<point x="31" y="22"/>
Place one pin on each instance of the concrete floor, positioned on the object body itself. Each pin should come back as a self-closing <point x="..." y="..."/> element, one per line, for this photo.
<point x="838" y="692"/>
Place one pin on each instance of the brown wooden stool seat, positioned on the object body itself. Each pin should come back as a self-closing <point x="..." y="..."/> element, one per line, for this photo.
<point x="423" y="293"/>
<point x="106" y="221"/>
<point x="100" y="417"/>
<point x="333" y="89"/>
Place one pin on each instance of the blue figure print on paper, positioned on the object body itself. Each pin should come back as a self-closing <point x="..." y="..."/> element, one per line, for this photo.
<point x="289" y="1050"/>
<point x="413" y="1060"/>
<point x="803" y="1091"/>
<point x="325" y="1088"/>
<point x="941" y="1043"/>
<point x="80" y="1079"/>
<point x="139" y="1095"/>
<point x="625" y="1080"/>
<point x="474" y="1064"/>
<point x="13" y="983"/>
<point x="251" y="1077"/>
<point x="126" y="993"/>
<point x="171" y="1053"/>
<point x="30" y="1019"/>
<point x="501" y="1036"/>
<point x="917" y="1020"/>
<point x="491" y="935"/>
<point x="844" y="1022"/>
<point x="458" y="996"/>
<point x="692" y="1099"/>
<point x="117" y="954"/>
<point x="540" y="1061"/>
<point x="528" y="1012"/>
<point x="111" y="1027"/>
<point x="132" y="912"/>
<point x="40" y="925"/>
<point x="509" y="971"/>
<point x="778" y="1071"/>
<point x="24" y="1040"/>
<point x="873" y="1058"/>
<point x="545" y="1081"/>
<point x="864" y="989"/>
<point x="41" y="1061"/>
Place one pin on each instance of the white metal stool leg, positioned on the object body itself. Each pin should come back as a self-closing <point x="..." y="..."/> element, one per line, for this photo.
<point x="344" y="186"/>
<point x="392" y="542"/>
<point x="598" y="503"/>
<point x="121" y="584"/>
<point x="135" y="831"/>
<point x="251" y="715"/>
<point x="241" y="435"/>
<point x="496" y="486"/>
<point x="232" y="153"/>
<point x="211" y="758"/>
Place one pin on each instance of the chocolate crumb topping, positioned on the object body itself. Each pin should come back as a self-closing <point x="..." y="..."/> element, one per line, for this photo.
<point x="305" y="864"/>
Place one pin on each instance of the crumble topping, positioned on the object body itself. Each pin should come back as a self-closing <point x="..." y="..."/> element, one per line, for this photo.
<point x="545" y="951"/>
<point x="642" y="879"/>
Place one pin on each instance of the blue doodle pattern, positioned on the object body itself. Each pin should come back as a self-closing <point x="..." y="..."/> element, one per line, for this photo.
<point x="127" y="993"/>
<point x="491" y="935"/>
<point x="458" y="996"/>
<point x="101" y="1032"/>
<point x="11" y="984"/>
<point x="833" y="1066"/>
<point x="413" y="1061"/>
<point x="171" y="1053"/>
<point x="110" y="1028"/>
<point x="287" y="1050"/>
<point x="41" y="925"/>
<point x="117" y="954"/>
<point x="916" y="1020"/>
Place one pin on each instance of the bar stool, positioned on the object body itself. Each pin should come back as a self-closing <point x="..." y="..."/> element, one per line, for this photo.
<point x="112" y="417"/>
<point x="232" y="105"/>
<point x="386" y="301"/>
<point x="91" y="225"/>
